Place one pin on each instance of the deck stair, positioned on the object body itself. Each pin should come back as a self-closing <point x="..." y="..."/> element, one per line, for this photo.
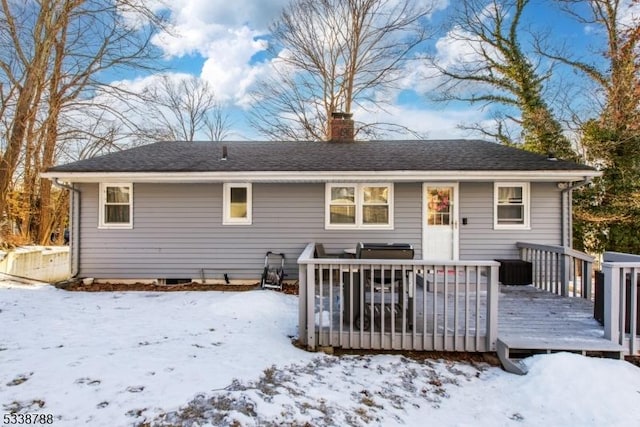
<point x="512" y="351"/>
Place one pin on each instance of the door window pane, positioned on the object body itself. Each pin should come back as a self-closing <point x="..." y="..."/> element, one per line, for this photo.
<point x="439" y="205"/>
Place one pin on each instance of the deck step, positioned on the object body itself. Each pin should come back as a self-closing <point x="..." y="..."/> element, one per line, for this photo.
<point x="508" y="349"/>
<point x="509" y="365"/>
<point x="562" y="344"/>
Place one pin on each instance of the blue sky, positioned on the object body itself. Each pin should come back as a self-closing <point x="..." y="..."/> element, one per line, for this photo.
<point x="224" y="43"/>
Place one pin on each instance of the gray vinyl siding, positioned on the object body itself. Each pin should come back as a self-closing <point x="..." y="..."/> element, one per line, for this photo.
<point x="479" y="240"/>
<point x="177" y="229"/>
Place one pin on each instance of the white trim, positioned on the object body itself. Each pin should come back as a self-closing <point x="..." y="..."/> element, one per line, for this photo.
<point x="359" y="203"/>
<point x="324" y="176"/>
<point x="227" y="219"/>
<point x="102" y="201"/>
<point x="526" y="201"/>
<point x="456" y="213"/>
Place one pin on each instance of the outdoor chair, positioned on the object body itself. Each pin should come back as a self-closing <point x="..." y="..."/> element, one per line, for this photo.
<point x="321" y="253"/>
<point x="379" y="287"/>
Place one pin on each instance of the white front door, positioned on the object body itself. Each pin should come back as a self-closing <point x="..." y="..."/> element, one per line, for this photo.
<point x="440" y="221"/>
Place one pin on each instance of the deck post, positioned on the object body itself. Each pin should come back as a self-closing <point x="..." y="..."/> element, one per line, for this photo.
<point x="612" y="303"/>
<point x="310" y="298"/>
<point x="587" y="272"/>
<point x="633" y="310"/>
<point x="566" y="275"/>
<point x="492" y="307"/>
<point x="302" y="304"/>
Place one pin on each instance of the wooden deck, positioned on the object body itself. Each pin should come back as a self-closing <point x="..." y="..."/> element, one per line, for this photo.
<point x="530" y="320"/>
<point x="538" y="321"/>
<point x="460" y="306"/>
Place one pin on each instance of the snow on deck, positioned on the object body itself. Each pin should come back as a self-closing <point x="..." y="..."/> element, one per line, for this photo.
<point x="529" y="318"/>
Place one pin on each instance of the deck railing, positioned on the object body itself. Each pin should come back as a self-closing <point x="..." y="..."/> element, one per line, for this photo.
<point x="621" y="305"/>
<point x="397" y="304"/>
<point x="558" y="269"/>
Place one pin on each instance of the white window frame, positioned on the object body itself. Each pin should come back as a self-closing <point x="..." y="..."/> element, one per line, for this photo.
<point x="103" y="202"/>
<point x="359" y="203"/>
<point x="227" y="219"/>
<point x="526" y="202"/>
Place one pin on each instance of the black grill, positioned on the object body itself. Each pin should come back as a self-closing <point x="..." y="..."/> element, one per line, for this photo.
<point x="384" y="251"/>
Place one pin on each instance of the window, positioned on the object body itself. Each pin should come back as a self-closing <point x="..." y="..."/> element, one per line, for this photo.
<point x="116" y="206"/>
<point x="511" y="205"/>
<point x="439" y="205"/>
<point x="237" y="204"/>
<point x="359" y="206"/>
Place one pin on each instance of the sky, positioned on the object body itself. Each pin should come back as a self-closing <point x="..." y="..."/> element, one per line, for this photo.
<point x="118" y="359"/>
<point x="224" y="43"/>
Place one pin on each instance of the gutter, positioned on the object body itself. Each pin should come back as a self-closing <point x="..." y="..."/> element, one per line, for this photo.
<point x="74" y="226"/>
<point x="566" y="192"/>
<point x="322" y="176"/>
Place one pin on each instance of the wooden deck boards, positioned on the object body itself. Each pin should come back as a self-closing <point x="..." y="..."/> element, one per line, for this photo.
<point x="529" y="318"/>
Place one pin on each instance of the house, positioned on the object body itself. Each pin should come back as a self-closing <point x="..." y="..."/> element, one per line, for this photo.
<point x="209" y="211"/>
<point x="201" y="210"/>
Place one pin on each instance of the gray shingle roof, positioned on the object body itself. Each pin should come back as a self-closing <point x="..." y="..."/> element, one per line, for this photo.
<point x="441" y="155"/>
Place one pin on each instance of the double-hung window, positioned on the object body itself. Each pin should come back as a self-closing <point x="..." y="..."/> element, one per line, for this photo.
<point x="237" y="204"/>
<point x="116" y="206"/>
<point x="359" y="206"/>
<point x="511" y="201"/>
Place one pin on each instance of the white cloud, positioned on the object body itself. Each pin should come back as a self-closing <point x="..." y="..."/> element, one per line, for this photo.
<point x="226" y="34"/>
<point x="458" y="49"/>
<point x="197" y="24"/>
<point x="227" y="66"/>
<point x="435" y="124"/>
<point x="629" y="13"/>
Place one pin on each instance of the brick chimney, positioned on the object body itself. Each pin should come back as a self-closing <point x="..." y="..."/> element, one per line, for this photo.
<point x="341" y="127"/>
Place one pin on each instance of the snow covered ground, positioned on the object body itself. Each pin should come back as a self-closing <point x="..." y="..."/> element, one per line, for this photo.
<point x="225" y="358"/>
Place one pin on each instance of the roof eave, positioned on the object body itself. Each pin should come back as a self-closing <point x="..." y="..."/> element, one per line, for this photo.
<point x="323" y="176"/>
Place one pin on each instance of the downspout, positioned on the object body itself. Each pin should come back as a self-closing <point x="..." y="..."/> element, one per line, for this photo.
<point x="74" y="226"/>
<point x="566" y="193"/>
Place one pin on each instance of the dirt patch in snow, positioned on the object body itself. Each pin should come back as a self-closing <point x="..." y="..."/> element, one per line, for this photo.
<point x="78" y="286"/>
<point x="117" y="287"/>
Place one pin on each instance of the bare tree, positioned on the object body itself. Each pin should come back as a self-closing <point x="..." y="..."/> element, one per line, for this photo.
<point x="607" y="211"/>
<point x="181" y="108"/>
<point x="618" y="77"/>
<point x="497" y="71"/>
<point x="332" y="55"/>
<point x="53" y="55"/>
<point x="217" y="124"/>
